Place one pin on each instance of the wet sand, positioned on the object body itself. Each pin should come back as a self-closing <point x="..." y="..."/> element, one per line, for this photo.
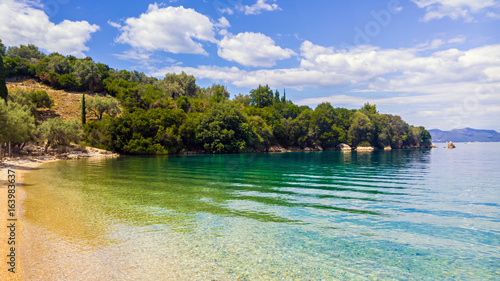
<point x="20" y="167"/>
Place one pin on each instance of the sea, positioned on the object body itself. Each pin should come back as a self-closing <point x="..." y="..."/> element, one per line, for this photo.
<point x="421" y="214"/>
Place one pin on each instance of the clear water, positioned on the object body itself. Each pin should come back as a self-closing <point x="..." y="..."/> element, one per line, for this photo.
<point x="391" y="215"/>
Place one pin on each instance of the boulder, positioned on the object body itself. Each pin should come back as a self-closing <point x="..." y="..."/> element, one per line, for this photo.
<point x="388" y="148"/>
<point x="451" y="145"/>
<point x="364" y="148"/>
<point x="344" y="147"/>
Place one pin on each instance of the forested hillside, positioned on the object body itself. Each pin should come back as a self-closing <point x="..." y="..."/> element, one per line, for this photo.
<point x="132" y="113"/>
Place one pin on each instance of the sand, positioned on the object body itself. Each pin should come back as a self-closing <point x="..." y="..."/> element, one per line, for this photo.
<point x="21" y="166"/>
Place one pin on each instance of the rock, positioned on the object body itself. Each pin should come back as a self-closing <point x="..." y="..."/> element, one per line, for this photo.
<point x="388" y="148"/>
<point x="344" y="147"/>
<point x="307" y="149"/>
<point x="451" y="145"/>
<point x="365" y="148"/>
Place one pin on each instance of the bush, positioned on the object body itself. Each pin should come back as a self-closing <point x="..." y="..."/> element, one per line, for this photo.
<point x="41" y="99"/>
<point x="59" y="132"/>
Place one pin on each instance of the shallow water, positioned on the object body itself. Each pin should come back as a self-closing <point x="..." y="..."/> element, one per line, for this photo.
<point x="407" y="214"/>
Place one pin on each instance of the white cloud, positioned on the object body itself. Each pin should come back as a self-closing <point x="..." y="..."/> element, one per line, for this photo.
<point x="448" y="88"/>
<point x="454" y="9"/>
<point x="25" y="23"/>
<point x="228" y="11"/>
<point x="223" y="23"/>
<point x="258" y="7"/>
<point x="252" y="49"/>
<point x="170" y="29"/>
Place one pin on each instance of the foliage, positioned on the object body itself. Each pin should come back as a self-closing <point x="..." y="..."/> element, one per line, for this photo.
<point x="2" y="49"/>
<point x="174" y="114"/>
<point x="3" y="87"/>
<point x="262" y="96"/>
<point x="41" y="99"/>
<point x="31" y="99"/>
<point x="17" y="124"/>
<point x="362" y="130"/>
<point x="25" y="52"/>
<point x="60" y="132"/>
<point x="224" y="129"/>
<point x="97" y="106"/>
<point x="83" y="106"/>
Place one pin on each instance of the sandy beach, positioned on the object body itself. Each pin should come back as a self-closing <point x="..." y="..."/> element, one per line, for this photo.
<point x="19" y="166"/>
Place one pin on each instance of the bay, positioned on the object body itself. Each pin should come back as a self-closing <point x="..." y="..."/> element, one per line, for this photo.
<point x="392" y="215"/>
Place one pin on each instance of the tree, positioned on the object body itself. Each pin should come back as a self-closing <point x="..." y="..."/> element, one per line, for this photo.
<point x="60" y="132"/>
<point x="58" y="64"/>
<point x="262" y="96"/>
<point x="3" y="87"/>
<point x="2" y="49"/>
<point x="86" y="74"/>
<point x="361" y="131"/>
<point x="17" y="124"/>
<point x="186" y="84"/>
<point x="224" y="129"/>
<point x="25" y="52"/>
<point x="84" y="110"/>
<point x="41" y="99"/>
<point x="100" y="105"/>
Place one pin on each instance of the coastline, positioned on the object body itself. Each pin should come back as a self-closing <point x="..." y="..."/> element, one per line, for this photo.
<point x="22" y="166"/>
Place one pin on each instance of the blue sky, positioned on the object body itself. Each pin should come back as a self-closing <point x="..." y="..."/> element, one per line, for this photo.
<point x="436" y="63"/>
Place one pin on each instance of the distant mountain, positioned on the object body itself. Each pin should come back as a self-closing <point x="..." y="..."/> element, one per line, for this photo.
<point x="465" y="135"/>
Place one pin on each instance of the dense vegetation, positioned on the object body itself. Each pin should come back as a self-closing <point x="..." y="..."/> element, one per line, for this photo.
<point x="136" y="114"/>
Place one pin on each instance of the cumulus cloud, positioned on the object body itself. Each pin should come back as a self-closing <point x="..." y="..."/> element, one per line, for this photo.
<point x="447" y="86"/>
<point x="454" y="9"/>
<point x="171" y="29"/>
<point x="252" y="49"/>
<point x="259" y="7"/>
<point x="440" y="76"/>
<point x="25" y="23"/>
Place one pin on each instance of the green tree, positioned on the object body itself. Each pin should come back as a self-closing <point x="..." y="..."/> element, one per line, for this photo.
<point x="184" y="84"/>
<point x="17" y="124"/>
<point x="59" y="132"/>
<point x="224" y="129"/>
<point x="3" y="87"/>
<point x="361" y="131"/>
<point x="86" y="74"/>
<point x="26" y="52"/>
<point x="262" y="96"/>
<point x="58" y="64"/>
<point x="100" y="105"/>
<point x="2" y="49"/>
<point x="84" y="110"/>
<point x="41" y="99"/>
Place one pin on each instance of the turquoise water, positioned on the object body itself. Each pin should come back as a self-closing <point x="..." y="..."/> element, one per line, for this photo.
<point x="401" y="215"/>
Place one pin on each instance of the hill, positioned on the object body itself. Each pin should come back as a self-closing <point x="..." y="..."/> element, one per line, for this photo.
<point x="465" y="135"/>
<point x="65" y="102"/>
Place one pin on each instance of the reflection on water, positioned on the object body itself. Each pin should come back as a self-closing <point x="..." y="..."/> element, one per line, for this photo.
<point x="319" y="215"/>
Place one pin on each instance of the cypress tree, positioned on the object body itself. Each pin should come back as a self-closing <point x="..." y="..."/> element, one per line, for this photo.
<point x="3" y="87"/>
<point x="84" y="111"/>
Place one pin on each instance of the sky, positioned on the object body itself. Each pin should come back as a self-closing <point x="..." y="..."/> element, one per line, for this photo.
<point x="436" y="63"/>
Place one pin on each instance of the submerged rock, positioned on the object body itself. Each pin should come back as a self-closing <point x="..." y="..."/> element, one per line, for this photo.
<point x="451" y="145"/>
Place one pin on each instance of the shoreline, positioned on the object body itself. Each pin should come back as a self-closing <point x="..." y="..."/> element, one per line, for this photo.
<point x="22" y="166"/>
